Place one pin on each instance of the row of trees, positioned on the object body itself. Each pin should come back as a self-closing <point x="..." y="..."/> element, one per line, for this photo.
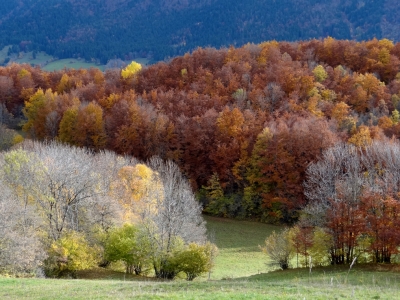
<point x="242" y="124"/>
<point x="353" y="209"/>
<point x="62" y="209"/>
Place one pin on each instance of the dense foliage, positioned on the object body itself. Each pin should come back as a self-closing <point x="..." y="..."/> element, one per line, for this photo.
<point x="243" y="124"/>
<point x="353" y="209"/>
<point x="102" y="30"/>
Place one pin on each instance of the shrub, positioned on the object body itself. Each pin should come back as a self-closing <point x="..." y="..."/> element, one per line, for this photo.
<point x="277" y="247"/>
<point x="196" y="259"/>
<point x="69" y="254"/>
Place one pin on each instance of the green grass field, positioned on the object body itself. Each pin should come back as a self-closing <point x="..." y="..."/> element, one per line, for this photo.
<point x="3" y="54"/>
<point x="238" y="241"/>
<point x="27" y="58"/>
<point x="70" y="63"/>
<point x="48" y="62"/>
<point x="323" y="283"/>
<point x="240" y="273"/>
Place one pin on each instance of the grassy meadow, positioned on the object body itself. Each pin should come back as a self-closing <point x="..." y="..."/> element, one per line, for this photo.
<point x="240" y="273"/>
<point x="238" y="241"/>
<point x="70" y="63"/>
<point x="361" y="282"/>
<point x="49" y="63"/>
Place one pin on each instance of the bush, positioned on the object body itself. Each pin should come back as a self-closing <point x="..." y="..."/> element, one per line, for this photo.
<point x="128" y="245"/>
<point x="278" y="248"/>
<point x="196" y="259"/>
<point x="69" y="254"/>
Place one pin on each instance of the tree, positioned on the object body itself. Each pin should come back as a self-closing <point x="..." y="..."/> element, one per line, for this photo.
<point x="320" y="73"/>
<point x="196" y="259"/>
<point x="90" y="124"/>
<point x="58" y="179"/>
<point x="381" y="215"/>
<point x="361" y="138"/>
<point x="36" y="109"/>
<point x="21" y="251"/>
<point x="339" y="164"/>
<point x="70" y="253"/>
<point x="127" y="244"/>
<point x="301" y="240"/>
<point x="133" y="184"/>
<point x="278" y="249"/>
<point x="294" y="142"/>
<point x="321" y="248"/>
<point x="68" y="126"/>
<point x="353" y="195"/>
<point x="131" y="70"/>
<point x="215" y="195"/>
<point x="170" y="216"/>
<point x="6" y="137"/>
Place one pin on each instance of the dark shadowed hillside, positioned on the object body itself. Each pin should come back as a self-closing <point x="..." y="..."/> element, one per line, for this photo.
<point x="104" y="29"/>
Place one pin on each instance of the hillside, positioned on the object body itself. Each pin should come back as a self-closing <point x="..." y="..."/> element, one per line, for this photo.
<point x="100" y="30"/>
<point x="243" y="123"/>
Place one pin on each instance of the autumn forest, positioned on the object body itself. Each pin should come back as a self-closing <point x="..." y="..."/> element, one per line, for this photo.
<point x="254" y="129"/>
<point x="248" y="120"/>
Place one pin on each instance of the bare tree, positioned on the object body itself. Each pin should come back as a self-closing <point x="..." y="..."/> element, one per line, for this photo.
<point x="102" y="208"/>
<point x="64" y="182"/>
<point x="273" y="94"/>
<point x="339" y="189"/>
<point x="21" y="251"/>
<point x="278" y="248"/>
<point x="344" y="172"/>
<point x="171" y="213"/>
<point x="338" y="176"/>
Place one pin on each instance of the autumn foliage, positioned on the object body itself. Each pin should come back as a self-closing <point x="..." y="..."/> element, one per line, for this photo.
<point x="245" y="121"/>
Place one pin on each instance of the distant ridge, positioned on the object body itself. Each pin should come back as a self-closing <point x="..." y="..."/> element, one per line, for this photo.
<point x="104" y="29"/>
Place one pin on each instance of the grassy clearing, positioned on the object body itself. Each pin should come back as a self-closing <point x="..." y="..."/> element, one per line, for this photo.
<point x="70" y="63"/>
<point x="238" y="242"/>
<point x="48" y="63"/>
<point x="27" y="58"/>
<point x="323" y="283"/>
<point x="3" y="54"/>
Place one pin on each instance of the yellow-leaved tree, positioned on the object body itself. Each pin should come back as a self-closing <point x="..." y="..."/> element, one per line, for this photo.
<point x="319" y="73"/>
<point x="71" y="253"/>
<point x="131" y="70"/>
<point x="37" y="110"/>
<point x="361" y="138"/>
<point x="135" y="188"/>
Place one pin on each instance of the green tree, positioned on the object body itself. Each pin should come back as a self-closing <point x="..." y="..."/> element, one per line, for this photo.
<point x="127" y="244"/>
<point x="196" y="259"/>
<point x="217" y="202"/>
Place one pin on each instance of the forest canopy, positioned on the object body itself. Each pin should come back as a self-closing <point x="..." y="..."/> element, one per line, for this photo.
<point x="243" y="124"/>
